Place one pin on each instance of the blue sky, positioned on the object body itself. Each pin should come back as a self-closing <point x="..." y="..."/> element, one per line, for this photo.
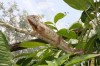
<point x="49" y="8"/>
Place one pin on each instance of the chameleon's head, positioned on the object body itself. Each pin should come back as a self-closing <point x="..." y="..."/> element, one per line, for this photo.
<point x="36" y="17"/>
<point x="33" y="21"/>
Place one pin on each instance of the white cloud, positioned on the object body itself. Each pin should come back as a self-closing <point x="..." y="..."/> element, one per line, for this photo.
<point x="45" y="5"/>
<point x="28" y="5"/>
<point x="34" y="7"/>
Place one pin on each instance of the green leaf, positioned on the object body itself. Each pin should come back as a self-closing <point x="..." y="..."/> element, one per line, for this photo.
<point x="91" y="2"/>
<point x="58" y="53"/>
<point x="47" y="54"/>
<point x="52" y="27"/>
<point x="24" y="61"/>
<point x="16" y="65"/>
<point x="66" y="33"/>
<point x="80" y="59"/>
<point x="72" y="35"/>
<point x="20" y="61"/>
<point x="81" y="45"/>
<point x="58" y="17"/>
<point x="76" y="25"/>
<point x="27" y="62"/>
<point x="63" y="58"/>
<point x="44" y="53"/>
<point x="52" y="63"/>
<point x="48" y="22"/>
<point x="5" y="55"/>
<point x="63" y="32"/>
<point x="89" y="46"/>
<point x="88" y="15"/>
<point x="30" y="44"/>
<point x="79" y="4"/>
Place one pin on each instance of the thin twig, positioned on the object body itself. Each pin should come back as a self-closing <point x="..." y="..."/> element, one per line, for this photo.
<point x="6" y="25"/>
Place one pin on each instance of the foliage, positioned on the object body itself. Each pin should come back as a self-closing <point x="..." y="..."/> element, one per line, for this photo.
<point x="5" y="55"/>
<point x="58" y="16"/>
<point x="81" y="31"/>
<point x="80" y="58"/>
<point x="79" y="4"/>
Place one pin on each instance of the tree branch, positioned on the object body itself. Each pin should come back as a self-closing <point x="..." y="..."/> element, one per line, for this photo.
<point x="6" y="25"/>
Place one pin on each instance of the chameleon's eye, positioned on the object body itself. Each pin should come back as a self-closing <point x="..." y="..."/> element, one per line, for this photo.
<point x="36" y="17"/>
